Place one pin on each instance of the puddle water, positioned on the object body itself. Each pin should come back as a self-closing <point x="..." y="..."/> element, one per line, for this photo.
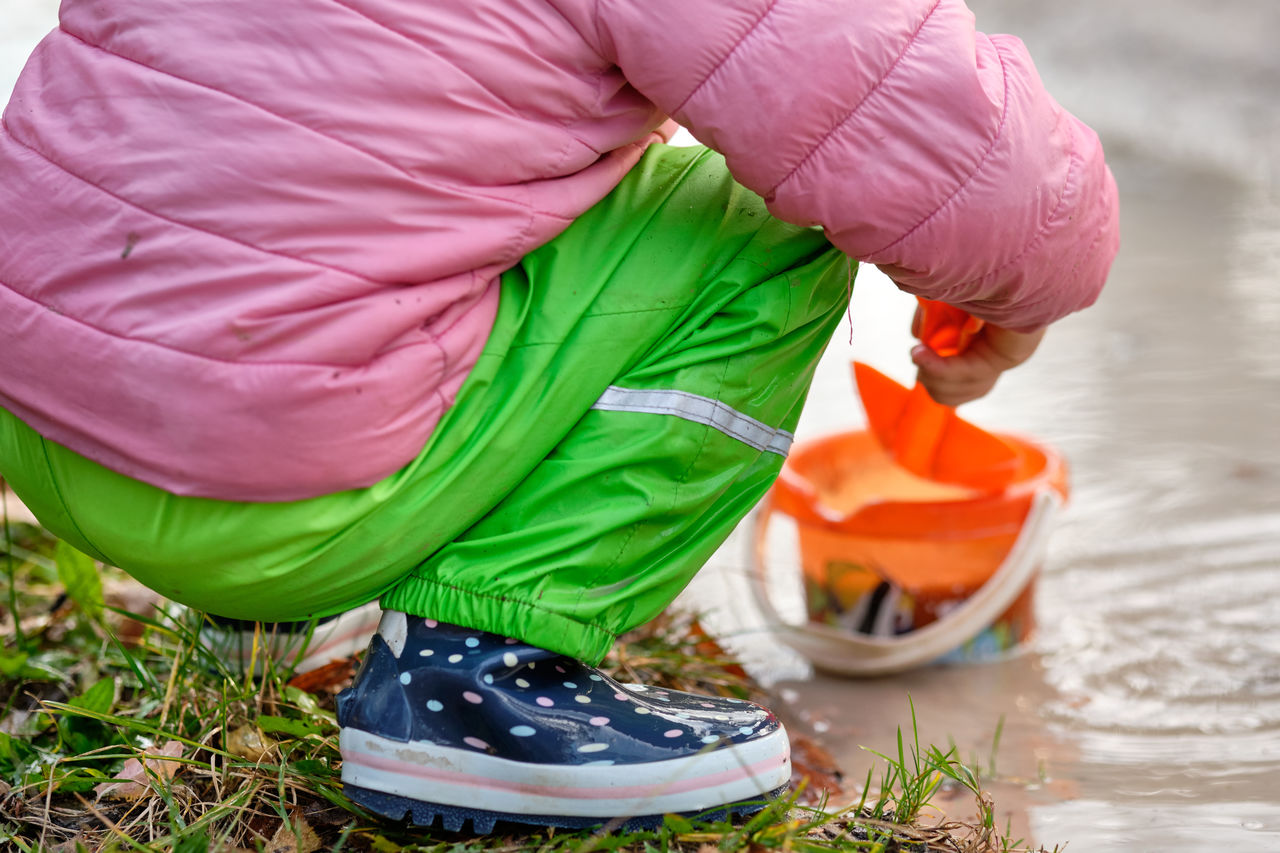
<point x="1146" y="713"/>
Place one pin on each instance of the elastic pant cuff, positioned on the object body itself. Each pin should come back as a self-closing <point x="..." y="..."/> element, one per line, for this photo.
<point x="507" y="617"/>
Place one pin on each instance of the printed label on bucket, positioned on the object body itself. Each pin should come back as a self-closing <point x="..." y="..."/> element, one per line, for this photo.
<point x="855" y="597"/>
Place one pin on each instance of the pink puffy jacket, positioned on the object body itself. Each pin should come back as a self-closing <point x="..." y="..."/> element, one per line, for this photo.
<point x="249" y="250"/>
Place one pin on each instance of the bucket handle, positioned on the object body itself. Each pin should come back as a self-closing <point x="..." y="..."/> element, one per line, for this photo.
<point x="833" y="650"/>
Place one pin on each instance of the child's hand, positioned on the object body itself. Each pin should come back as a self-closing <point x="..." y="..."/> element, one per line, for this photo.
<point x="971" y="374"/>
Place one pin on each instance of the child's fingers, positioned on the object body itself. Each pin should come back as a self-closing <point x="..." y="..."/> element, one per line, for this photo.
<point x="954" y="380"/>
<point x="972" y="374"/>
<point x="954" y="391"/>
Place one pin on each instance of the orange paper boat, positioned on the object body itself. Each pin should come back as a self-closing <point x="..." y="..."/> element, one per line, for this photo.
<point x="927" y="438"/>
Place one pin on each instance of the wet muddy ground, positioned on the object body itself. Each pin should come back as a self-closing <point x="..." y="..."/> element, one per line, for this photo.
<point x="1146" y="713"/>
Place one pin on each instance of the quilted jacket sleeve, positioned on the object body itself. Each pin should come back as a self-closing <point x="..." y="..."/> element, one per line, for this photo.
<point x="918" y="143"/>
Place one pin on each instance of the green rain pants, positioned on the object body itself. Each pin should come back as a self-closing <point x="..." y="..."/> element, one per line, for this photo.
<point x="634" y="400"/>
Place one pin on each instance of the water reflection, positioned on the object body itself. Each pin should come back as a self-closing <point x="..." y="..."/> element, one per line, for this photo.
<point x="1243" y="827"/>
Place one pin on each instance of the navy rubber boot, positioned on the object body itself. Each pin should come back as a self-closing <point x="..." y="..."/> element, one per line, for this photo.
<point x="462" y="725"/>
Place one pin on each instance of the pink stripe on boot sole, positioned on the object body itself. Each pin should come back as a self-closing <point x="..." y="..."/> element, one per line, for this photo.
<point x="419" y="771"/>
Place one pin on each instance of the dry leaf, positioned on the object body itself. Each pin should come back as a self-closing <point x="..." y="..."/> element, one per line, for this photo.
<point x="709" y="647"/>
<point x="126" y="594"/>
<point x="330" y="678"/>
<point x="134" y="779"/>
<point x="812" y="764"/>
<point x="250" y="743"/>
<point x="285" y="841"/>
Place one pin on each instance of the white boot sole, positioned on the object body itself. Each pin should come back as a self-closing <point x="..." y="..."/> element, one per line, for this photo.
<point x="448" y="776"/>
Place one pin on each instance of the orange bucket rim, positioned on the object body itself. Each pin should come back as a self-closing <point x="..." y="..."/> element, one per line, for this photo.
<point x="794" y="494"/>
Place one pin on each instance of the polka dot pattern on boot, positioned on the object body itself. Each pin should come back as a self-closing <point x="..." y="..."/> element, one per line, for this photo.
<point x="475" y="691"/>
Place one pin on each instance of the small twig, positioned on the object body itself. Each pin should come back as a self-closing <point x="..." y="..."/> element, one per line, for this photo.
<point x="168" y="694"/>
